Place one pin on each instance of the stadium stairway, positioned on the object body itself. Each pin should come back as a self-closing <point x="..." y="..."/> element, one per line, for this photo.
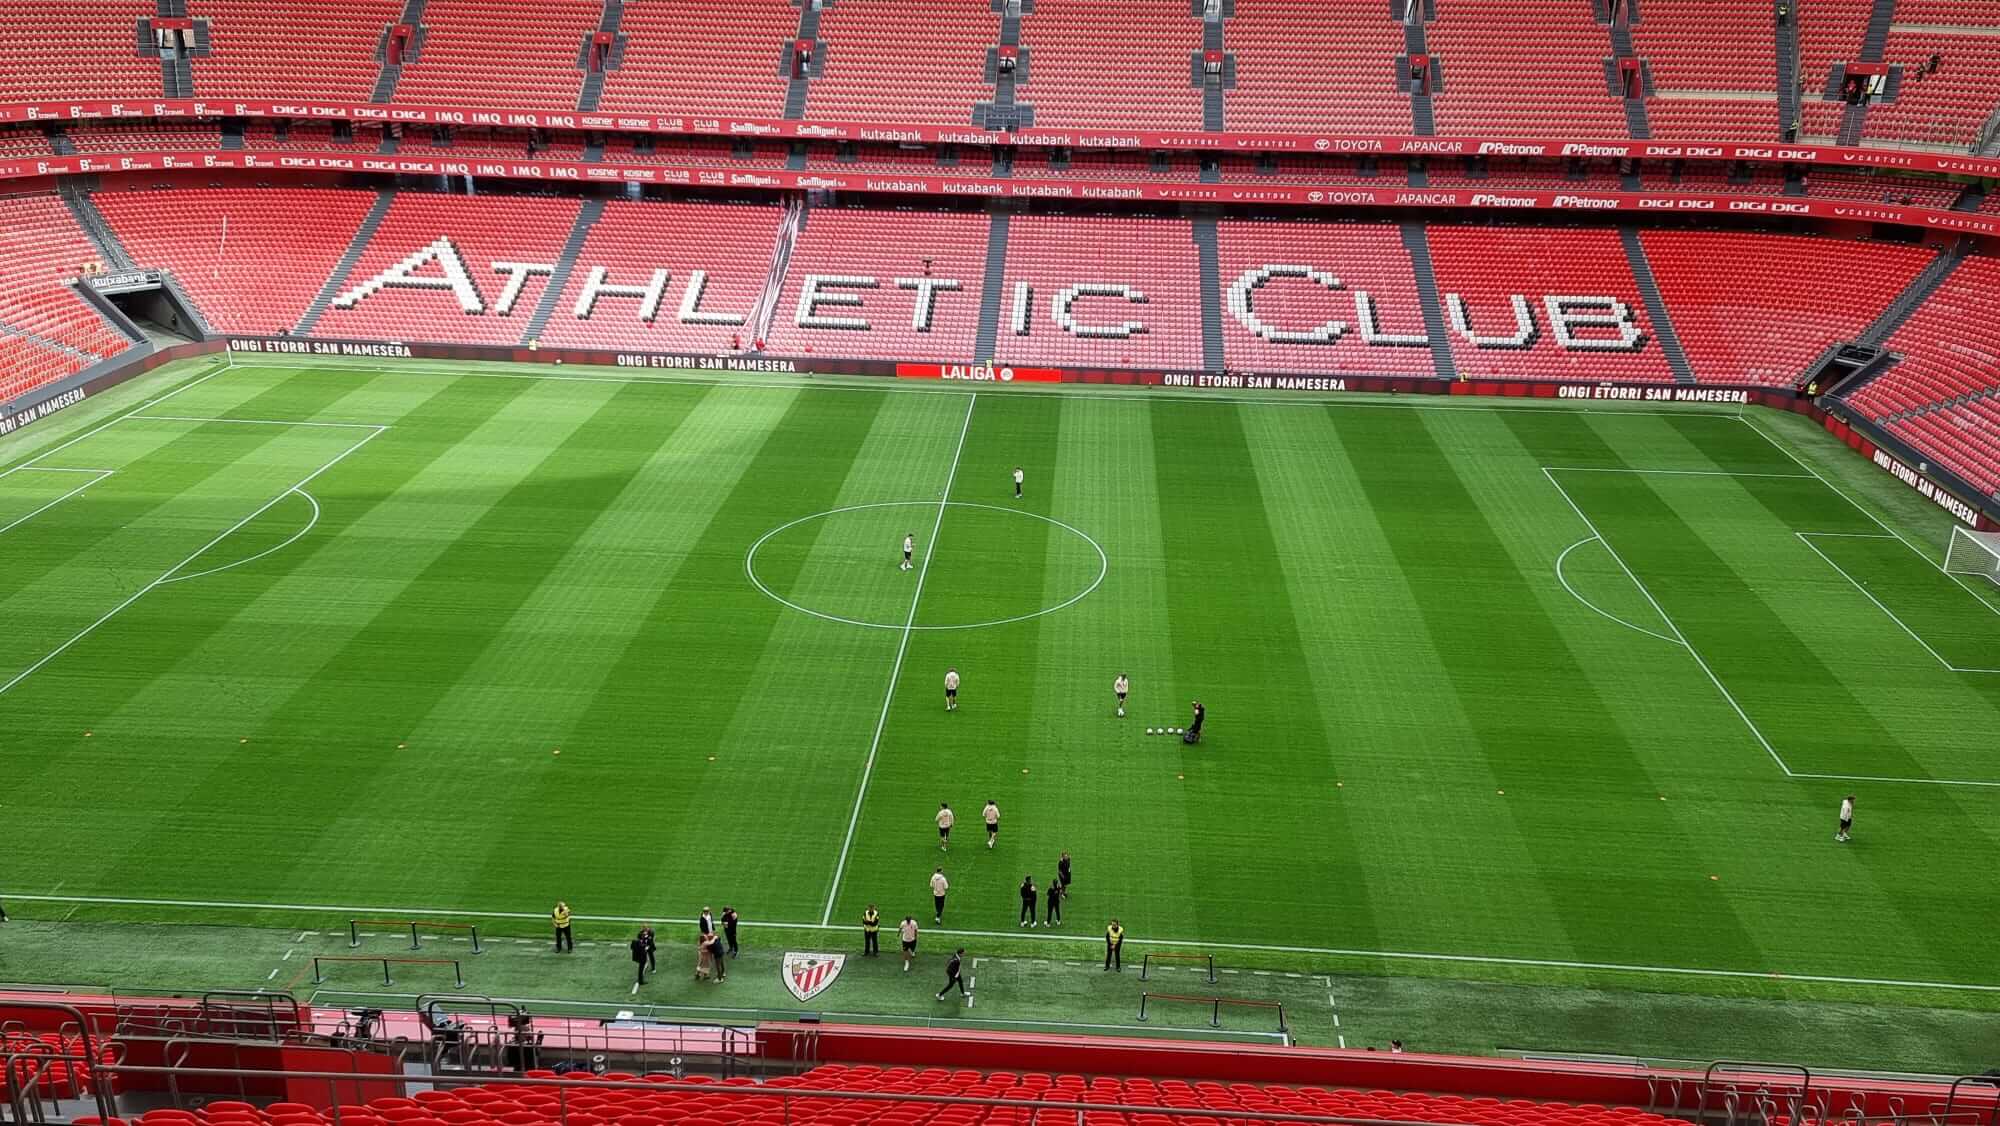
<point x="1787" y="46"/>
<point x="385" y="83"/>
<point x="1006" y="111"/>
<point x="1209" y="254"/>
<point x="355" y="249"/>
<point x="799" y="78"/>
<point x="1914" y="295"/>
<point x="1417" y="241"/>
<point x="991" y="294"/>
<point x="1620" y="28"/>
<point x="87" y="216"/>
<point x="1874" y="44"/>
<point x="593" y="77"/>
<point x="1656" y="306"/>
<point x="1423" y="112"/>
<point x="586" y="218"/>
<point x="1213" y="13"/>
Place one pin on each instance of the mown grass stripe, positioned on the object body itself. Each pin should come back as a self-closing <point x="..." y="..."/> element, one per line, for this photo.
<point x="1237" y="647"/>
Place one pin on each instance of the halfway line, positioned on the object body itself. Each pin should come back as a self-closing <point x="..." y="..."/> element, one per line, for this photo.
<point x="896" y="672"/>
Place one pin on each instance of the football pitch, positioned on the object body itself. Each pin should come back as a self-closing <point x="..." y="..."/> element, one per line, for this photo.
<point x="1496" y="691"/>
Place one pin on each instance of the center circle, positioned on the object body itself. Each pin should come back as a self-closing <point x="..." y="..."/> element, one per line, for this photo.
<point x="882" y="548"/>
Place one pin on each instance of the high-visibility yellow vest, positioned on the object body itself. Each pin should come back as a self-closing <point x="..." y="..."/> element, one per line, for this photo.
<point x="561" y="916"/>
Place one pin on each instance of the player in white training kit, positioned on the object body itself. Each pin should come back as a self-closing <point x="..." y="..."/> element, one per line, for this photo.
<point x="1018" y="478"/>
<point x="909" y="545"/>
<point x="951" y="690"/>
<point x="1846" y="819"/>
<point x="1121" y="686"/>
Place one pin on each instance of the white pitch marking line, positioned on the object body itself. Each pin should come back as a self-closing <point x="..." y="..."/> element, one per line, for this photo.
<point x="1807" y="538"/>
<point x="1601" y="611"/>
<point x="374" y="433"/>
<point x="1859" y="507"/>
<point x="272" y="976"/>
<point x="53" y="450"/>
<point x="295" y="537"/>
<point x="1674" y="472"/>
<point x="259" y="421"/>
<point x="1343" y="1041"/>
<point x="896" y="670"/>
<point x="60" y="469"/>
<point x="101" y="475"/>
<point x="1678" y="635"/>
<point x="1324" y="951"/>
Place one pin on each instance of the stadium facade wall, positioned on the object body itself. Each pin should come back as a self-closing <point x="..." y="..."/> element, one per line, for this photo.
<point x="892" y="133"/>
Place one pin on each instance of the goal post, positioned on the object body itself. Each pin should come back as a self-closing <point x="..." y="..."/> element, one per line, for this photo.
<point x="1973" y="553"/>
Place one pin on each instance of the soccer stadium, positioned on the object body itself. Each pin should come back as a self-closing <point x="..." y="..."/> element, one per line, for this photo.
<point x="1000" y="562"/>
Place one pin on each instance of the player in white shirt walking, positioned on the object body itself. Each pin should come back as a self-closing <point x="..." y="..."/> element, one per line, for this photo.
<point x="1121" y="686"/>
<point x="909" y="546"/>
<point x="1018" y="478"/>
<point x="951" y="690"/>
<point x="939" y="885"/>
<point x="1846" y="819"/>
<point x="945" y="820"/>
<point x="992" y="815"/>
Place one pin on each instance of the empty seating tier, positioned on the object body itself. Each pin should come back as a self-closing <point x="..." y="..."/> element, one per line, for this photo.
<point x="715" y="258"/>
<point x="1522" y="68"/>
<point x="60" y="49"/>
<point x="1759" y="308"/>
<point x="439" y="268"/>
<point x="918" y="275"/>
<point x="1543" y="304"/>
<point x="883" y="65"/>
<point x="1094" y="291"/>
<point x="1285" y="285"/>
<point x="520" y="54"/>
<point x="265" y="51"/>
<point x="250" y="258"/>
<point x="1311" y="67"/>
<point x="43" y="249"/>
<point x="702" y="58"/>
<point x="1094" y="65"/>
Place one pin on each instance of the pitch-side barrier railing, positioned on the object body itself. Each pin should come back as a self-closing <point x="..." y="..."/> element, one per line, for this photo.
<point x="1215" y="1006"/>
<point x="457" y="972"/>
<point x="416" y="943"/>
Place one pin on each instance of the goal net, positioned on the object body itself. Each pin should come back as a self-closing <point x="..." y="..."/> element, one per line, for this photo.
<point x="1973" y="553"/>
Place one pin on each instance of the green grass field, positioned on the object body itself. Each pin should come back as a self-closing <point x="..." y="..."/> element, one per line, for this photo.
<point x="1510" y="706"/>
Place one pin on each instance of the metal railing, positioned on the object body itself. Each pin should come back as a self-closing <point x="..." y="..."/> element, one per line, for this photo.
<point x="788" y="1099"/>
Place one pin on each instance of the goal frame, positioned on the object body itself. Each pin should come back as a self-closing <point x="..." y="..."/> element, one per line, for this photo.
<point x="1973" y="553"/>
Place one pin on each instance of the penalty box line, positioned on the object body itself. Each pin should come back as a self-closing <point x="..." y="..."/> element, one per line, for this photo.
<point x="896" y="670"/>
<point x="1680" y="637"/>
<point x="1095" y="942"/>
<point x="374" y="431"/>
<point x="1807" y="539"/>
<point x="98" y="475"/>
<point x="1755" y="731"/>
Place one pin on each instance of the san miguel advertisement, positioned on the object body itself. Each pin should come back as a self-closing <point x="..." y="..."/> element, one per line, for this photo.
<point x="891" y="133"/>
<point x="1297" y="195"/>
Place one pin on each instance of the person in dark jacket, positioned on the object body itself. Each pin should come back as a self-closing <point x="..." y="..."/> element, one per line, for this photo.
<point x="715" y="956"/>
<point x="952" y="975"/>
<point x="639" y="955"/>
<point x="1028" y="900"/>
<point x="652" y="945"/>
<point x="1052" y="914"/>
<point x="729" y="928"/>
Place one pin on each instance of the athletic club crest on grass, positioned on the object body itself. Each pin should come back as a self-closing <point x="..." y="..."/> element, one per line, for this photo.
<point x="808" y="975"/>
